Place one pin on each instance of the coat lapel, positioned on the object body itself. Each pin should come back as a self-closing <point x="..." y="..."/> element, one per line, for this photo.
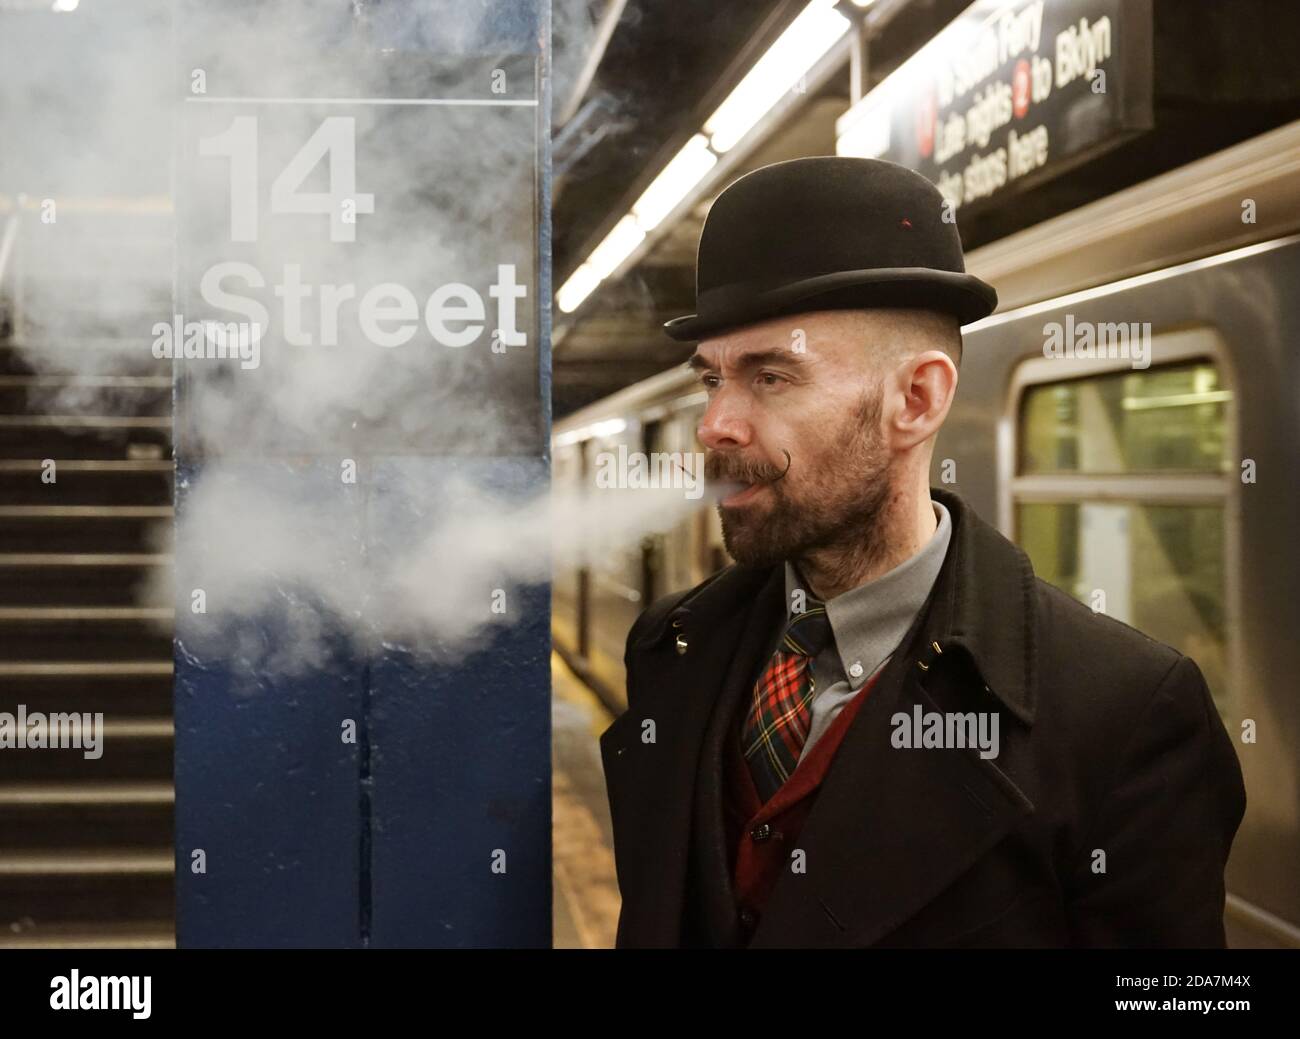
<point x="652" y="785"/>
<point x="890" y="829"/>
<point x="715" y="887"/>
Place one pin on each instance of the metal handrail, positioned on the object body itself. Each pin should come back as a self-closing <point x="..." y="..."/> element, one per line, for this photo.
<point x="7" y="241"/>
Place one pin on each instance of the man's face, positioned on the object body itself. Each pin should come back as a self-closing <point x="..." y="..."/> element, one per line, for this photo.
<point x="802" y="388"/>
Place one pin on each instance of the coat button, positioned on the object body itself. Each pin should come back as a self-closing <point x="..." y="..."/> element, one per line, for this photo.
<point x="681" y="645"/>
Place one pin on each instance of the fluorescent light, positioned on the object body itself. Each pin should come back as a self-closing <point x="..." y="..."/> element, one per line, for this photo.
<point x="607" y="428"/>
<point x="64" y="6"/>
<point x="686" y="169"/>
<point x="579" y="286"/>
<point x="616" y="247"/>
<point x="815" y="30"/>
<point x="863" y="3"/>
<point x="866" y="134"/>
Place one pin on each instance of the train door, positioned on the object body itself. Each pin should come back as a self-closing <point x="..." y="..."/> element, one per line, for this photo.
<point x="1120" y="490"/>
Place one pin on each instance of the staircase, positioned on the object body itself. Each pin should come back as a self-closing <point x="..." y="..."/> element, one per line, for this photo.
<point x="86" y="857"/>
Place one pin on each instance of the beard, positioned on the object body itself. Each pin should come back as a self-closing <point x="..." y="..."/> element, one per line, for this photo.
<point x="836" y="502"/>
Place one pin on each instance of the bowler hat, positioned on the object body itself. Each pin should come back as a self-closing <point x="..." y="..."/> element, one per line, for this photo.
<point x="824" y="233"/>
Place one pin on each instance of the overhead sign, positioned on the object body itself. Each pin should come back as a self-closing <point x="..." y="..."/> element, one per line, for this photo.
<point x="1011" y="93"/>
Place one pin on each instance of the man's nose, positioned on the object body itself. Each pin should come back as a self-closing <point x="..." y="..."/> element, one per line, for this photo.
<point x="724" y="423"/>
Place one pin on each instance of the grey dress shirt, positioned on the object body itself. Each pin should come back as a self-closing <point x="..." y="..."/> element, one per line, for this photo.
<point x="868" y="622"/>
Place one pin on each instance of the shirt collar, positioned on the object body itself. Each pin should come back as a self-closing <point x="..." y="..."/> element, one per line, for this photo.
<point x="870" y="620"/>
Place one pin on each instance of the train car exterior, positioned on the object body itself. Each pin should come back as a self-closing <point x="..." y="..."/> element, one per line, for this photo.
<point x="1153" y="478"/>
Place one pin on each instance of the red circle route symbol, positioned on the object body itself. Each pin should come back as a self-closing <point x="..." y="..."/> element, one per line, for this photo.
<point x="1020" y="89"/>
<point x="926" y="116"/>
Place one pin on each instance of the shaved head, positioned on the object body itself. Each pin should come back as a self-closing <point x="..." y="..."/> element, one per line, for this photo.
<point x="905" y="332"/>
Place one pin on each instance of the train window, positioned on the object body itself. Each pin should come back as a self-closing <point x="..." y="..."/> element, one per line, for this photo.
<point x="1156" y="567"/>
<point x="1169" y="419"/>
<point x="1120" y="495"/>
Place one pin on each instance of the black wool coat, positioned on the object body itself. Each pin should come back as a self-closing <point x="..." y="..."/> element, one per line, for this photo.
<point x="1105" y="819"/>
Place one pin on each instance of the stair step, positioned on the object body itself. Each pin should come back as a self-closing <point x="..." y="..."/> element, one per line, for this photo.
<point x="95" y="381"/>
<point x="163" y="422"/>
<point x="85" y="482"/>
<point x="89" y="528"/>
<point x="136" y="729"/>
<point x="41" y="888"/>
<point x="86" y="632"/>
<point x="87" y="578"/>
<point x="99" y="316"/>
<point x="118" y="825"/>
<point x="148" y="395"/>
<point x="129" y="749"/>
<point x="72" y="436"/>
<point x="82" y="356"/>
<point x="135" y="934"/>
<point x="122" y="689"/>
<point x="85" y="512"/>
<point x="127" y="760"/>
<point x="62" y="669"/>
<point x="115" y="792"/>
<point x="82" y="614"/>
<point x="67" y="862"/>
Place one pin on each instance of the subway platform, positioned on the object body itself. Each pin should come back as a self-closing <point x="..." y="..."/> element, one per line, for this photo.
<point x="586" y="899"/>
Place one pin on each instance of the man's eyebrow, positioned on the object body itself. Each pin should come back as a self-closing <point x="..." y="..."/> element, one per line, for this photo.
<point x="755" y="359"/>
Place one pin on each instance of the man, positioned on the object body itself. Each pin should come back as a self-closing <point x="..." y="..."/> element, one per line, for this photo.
<point x="878" y="728"/>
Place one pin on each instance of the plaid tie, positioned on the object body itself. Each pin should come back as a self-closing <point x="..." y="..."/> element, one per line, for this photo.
<point x="776" y="724"/>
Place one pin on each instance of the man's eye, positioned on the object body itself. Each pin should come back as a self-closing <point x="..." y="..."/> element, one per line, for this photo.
<point x="769" y="378"/>
<point x="710" y="380"/>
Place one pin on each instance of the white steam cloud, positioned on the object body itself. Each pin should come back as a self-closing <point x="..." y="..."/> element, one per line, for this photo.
<point x="104" y="109"/>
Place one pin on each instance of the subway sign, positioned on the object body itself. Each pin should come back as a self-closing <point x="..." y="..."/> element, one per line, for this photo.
<point x="1011" y="93"/>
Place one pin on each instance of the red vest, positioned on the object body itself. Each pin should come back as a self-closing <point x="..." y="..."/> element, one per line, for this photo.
<point x="762" y="836"/>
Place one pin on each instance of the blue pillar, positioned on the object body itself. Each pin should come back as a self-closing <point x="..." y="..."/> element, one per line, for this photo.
<point x="431" y="825"/>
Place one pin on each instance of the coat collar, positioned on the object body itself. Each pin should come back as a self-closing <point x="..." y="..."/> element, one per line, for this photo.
<point x="700" y="610"/>
<point x="981" y="605"/>
<point x="984" y="604"/>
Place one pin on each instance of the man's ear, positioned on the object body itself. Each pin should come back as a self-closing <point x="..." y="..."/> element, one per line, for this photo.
<point x="924" y="387"/>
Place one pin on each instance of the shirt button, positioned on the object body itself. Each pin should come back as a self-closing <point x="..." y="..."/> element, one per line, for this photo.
<point x="747" y="918"/>
<point x="855" y="669"/>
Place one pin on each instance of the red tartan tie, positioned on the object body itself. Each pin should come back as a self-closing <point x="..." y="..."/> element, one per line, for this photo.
<point x="776" y="724"/>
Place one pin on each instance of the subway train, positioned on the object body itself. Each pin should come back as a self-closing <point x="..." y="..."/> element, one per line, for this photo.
<point x="1155" y="480"/>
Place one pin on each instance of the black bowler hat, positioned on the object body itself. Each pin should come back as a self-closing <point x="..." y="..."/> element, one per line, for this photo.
<point x="826" y="233"/>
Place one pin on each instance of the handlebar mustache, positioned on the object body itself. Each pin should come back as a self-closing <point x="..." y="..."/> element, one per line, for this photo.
<point x="730" y="468"/>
